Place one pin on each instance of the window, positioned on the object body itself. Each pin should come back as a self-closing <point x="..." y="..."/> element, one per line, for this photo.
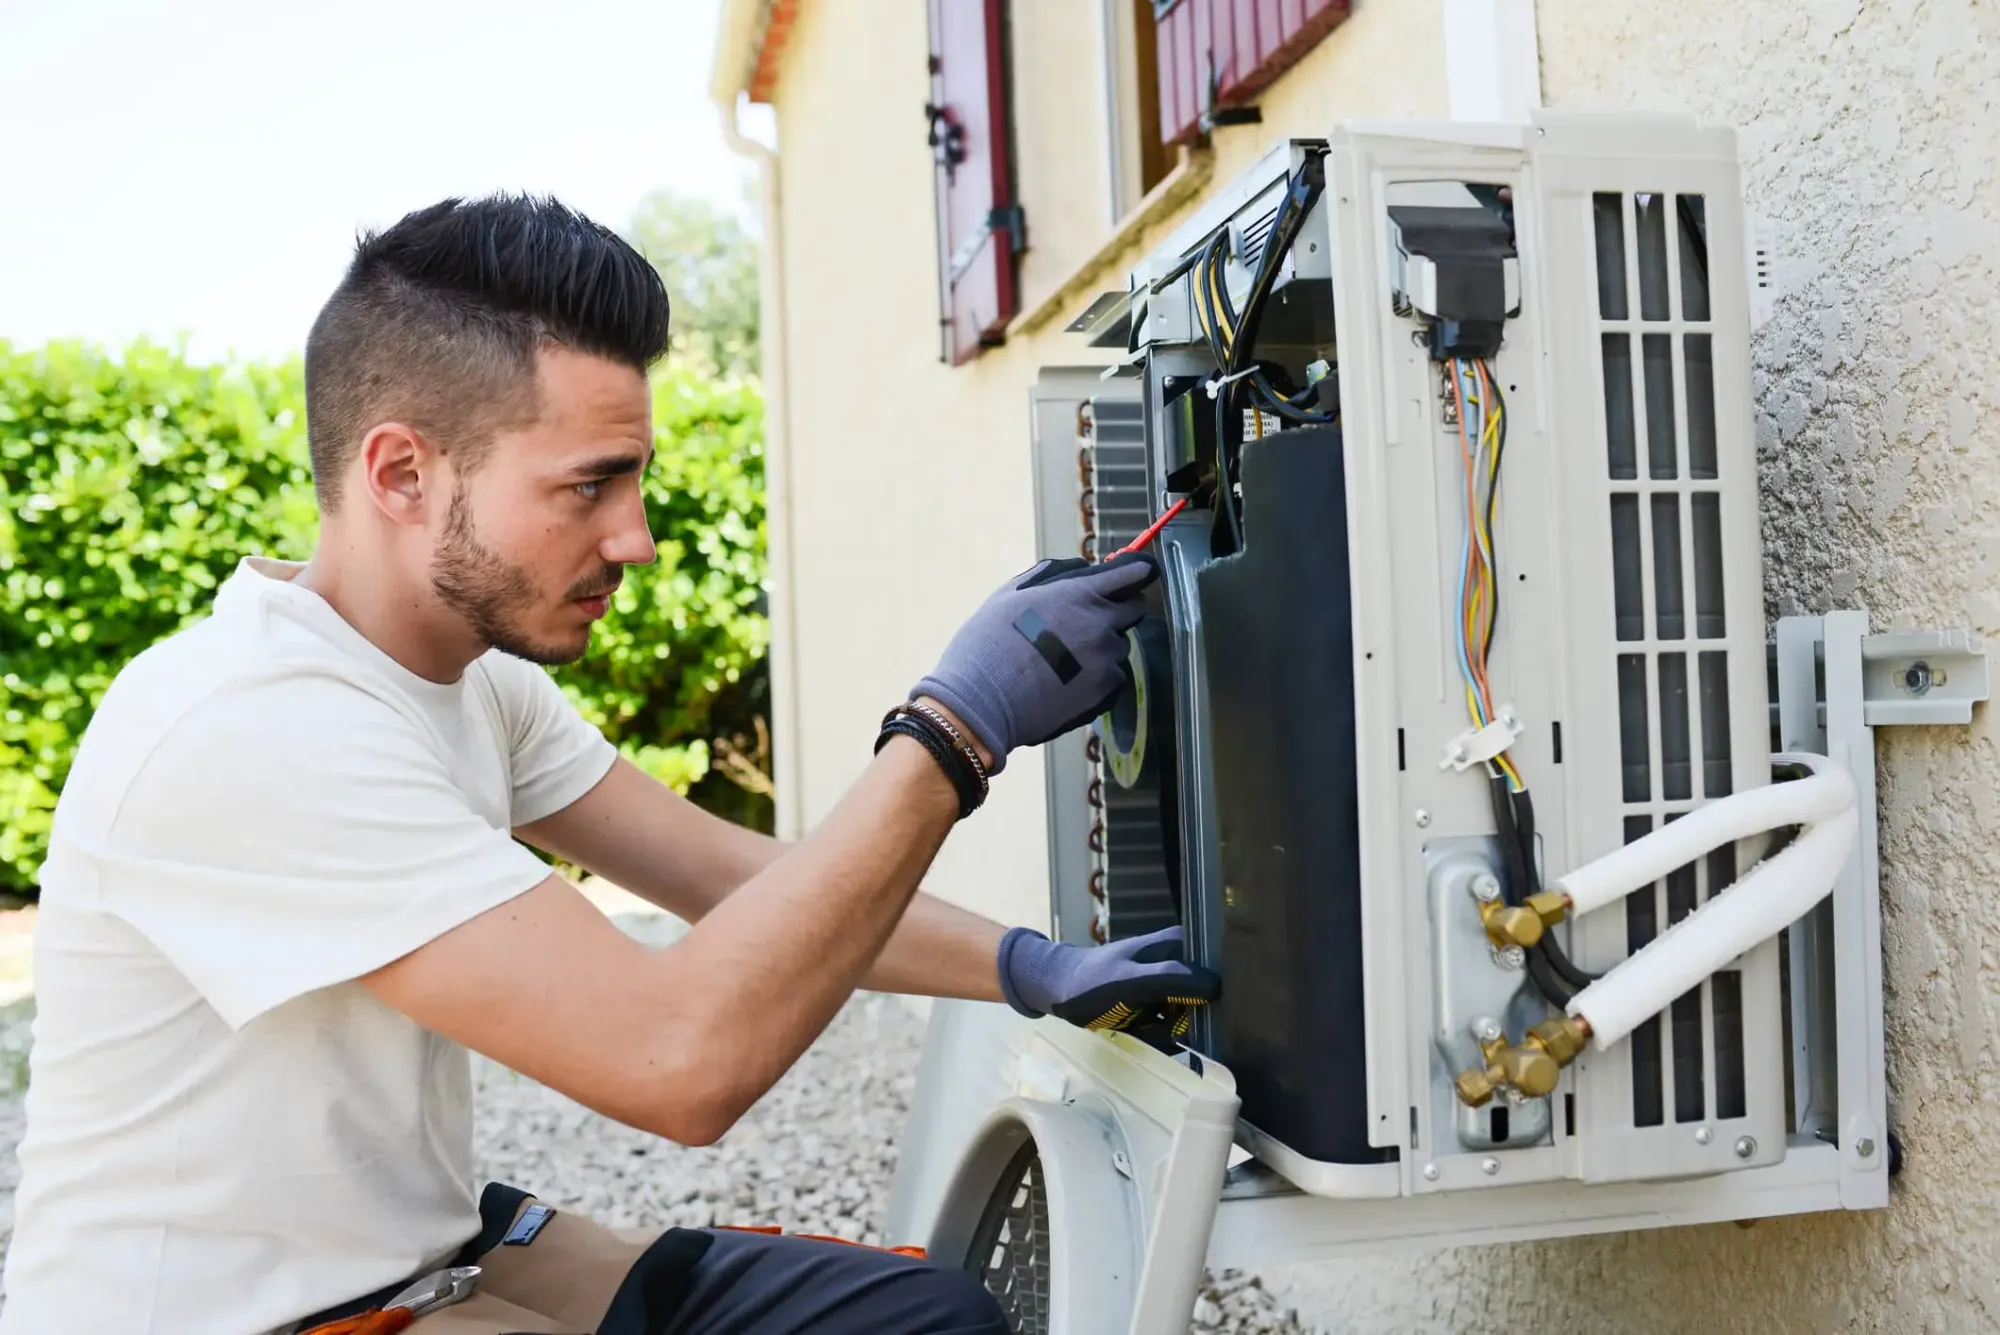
<point x="1222" y="53"/>
<point x="1137" y="156"/>
<point x="981" y="230"/>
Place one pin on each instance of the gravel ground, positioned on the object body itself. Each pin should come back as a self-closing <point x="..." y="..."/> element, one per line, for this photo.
<point x="815" y="1155"/>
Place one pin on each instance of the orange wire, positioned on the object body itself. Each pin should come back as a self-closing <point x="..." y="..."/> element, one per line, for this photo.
<point x="1485" y="397"/>
<point x="1473" y="564"/>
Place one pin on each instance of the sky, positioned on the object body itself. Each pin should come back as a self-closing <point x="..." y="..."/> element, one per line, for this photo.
<point x="199" y="169"/>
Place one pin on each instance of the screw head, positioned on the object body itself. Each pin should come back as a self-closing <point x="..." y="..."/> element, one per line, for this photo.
<point x="1917" y="678"/>
<point x="1485" y="888"/>
<point x="1423" y="818"/>
<point x="1490" y="1167"/>
<point x="1486" y="1029"/>
<point x="1513" y="957"/>
<point x="1702" y="1135"/>
<point x="1745" y="1146"/>
<point x="1459" y="754"/>
<point x="1430" y="1172"/>
<point x="1865" y="1148"/>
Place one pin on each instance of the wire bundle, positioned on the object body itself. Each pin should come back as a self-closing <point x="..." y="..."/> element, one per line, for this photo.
<point x="1482" y="432"/>
<point x="1232" y="335"/>
<point x="1478" y="588"/>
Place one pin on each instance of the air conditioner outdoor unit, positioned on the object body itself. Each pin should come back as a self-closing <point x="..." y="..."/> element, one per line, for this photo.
<point x="1541" y="883"/>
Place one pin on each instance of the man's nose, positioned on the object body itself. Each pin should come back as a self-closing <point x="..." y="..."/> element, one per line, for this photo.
<point x="631" y="543"/>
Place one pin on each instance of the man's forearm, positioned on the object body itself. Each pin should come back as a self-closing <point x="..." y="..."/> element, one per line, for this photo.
<point x="773" y="962"/>
<point x="641" y="836"/>
<point x="940" y="950"/>
<point x="937" y="949"/>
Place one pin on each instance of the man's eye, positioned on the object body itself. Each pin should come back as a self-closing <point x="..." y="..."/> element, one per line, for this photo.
<point x="589" y="490"/>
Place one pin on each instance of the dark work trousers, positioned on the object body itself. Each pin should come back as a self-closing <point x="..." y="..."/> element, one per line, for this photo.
<point x="758" y="1284"/>
<point x="550" y="1271"/>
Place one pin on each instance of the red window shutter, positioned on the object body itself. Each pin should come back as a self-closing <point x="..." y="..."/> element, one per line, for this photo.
<point x="980" y="228"/>
<point x="1222" y="53"/>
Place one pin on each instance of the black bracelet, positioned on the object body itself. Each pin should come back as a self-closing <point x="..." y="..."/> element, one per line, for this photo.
<point x="965" y="748"/>
<point x="966" y="777"/>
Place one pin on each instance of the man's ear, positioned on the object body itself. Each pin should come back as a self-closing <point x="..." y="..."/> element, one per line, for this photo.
<point x="399" y="467"/>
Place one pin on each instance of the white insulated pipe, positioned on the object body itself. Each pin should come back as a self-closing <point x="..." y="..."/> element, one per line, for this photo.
<point x="1770" y="897"/>
<point x="1826" y="792"/>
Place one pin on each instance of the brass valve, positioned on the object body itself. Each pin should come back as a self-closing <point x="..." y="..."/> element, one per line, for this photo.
<point x="1523" y="924"/>
<point x="1531" y="1069"/>
<point x="1562" y="1038"/>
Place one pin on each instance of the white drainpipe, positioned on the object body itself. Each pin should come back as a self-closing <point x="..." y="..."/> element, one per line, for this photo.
<point x="785" y="734"/>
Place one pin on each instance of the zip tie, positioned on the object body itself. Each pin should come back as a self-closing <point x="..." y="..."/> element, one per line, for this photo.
<point x="1215" y="383"/>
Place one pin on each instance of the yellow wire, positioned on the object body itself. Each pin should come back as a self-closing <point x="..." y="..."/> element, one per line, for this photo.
<point x="1480" y="587"/>
<point x="1221" y="310"/>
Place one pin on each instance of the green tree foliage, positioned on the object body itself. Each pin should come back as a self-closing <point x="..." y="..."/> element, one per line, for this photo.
<point x="708" y="260"/>
<point x="131" y="485"/>
<point x="676" y="671"/>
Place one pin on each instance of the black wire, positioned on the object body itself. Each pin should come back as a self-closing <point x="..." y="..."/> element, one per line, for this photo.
<point x="1210" y="282"/>
<point x="1283" y="406"/>
<point x="1517" y="858"/>
<point x="1225" y="497"/>
<point x="1175" y="274"/>
<point x="1301" y="193"/>
<point x="1524" y="829"/>
<point x="1218" y="246"/>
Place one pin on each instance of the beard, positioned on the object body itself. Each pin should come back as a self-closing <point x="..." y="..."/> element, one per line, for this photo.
<point x="494" y="595"/>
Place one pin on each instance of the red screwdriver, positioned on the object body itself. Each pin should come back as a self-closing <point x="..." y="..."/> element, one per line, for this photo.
<point x="1153" y="531"/>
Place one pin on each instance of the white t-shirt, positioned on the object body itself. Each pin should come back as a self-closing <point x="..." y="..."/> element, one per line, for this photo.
<point x="225" y="1132"/>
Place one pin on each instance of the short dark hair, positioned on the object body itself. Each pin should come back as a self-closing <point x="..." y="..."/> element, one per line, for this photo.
<point x="439" y="318"/>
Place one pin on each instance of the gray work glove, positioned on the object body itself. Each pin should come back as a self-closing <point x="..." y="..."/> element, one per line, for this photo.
<point x="1138" y="984"/>
<point x="1045" y="654"/>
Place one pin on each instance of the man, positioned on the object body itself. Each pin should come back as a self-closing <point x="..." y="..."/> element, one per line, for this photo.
<point x="287" y="889"/>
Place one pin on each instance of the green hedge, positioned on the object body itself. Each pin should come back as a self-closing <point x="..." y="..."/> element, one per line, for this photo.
<point x="131" y="484"/>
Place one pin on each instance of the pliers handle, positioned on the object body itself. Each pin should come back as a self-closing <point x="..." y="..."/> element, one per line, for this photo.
<point x="440" y="1289"/>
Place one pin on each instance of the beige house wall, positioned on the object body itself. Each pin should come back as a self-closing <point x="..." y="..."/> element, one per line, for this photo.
<point x="1867" y="131"/>
<point x="910" y="479"/>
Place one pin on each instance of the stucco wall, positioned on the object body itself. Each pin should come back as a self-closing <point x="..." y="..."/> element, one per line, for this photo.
<point x="1867" y="133"/>
<point x="911" y="480"/>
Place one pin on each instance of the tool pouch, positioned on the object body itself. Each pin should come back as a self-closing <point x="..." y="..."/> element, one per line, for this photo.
<point x="548" y="1272"/>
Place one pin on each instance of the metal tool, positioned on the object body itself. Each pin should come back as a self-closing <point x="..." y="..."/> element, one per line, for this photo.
<point x="440" y="1288"/>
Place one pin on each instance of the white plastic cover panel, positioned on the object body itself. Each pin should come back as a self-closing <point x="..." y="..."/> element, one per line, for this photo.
<point x="1630" y="640"/>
